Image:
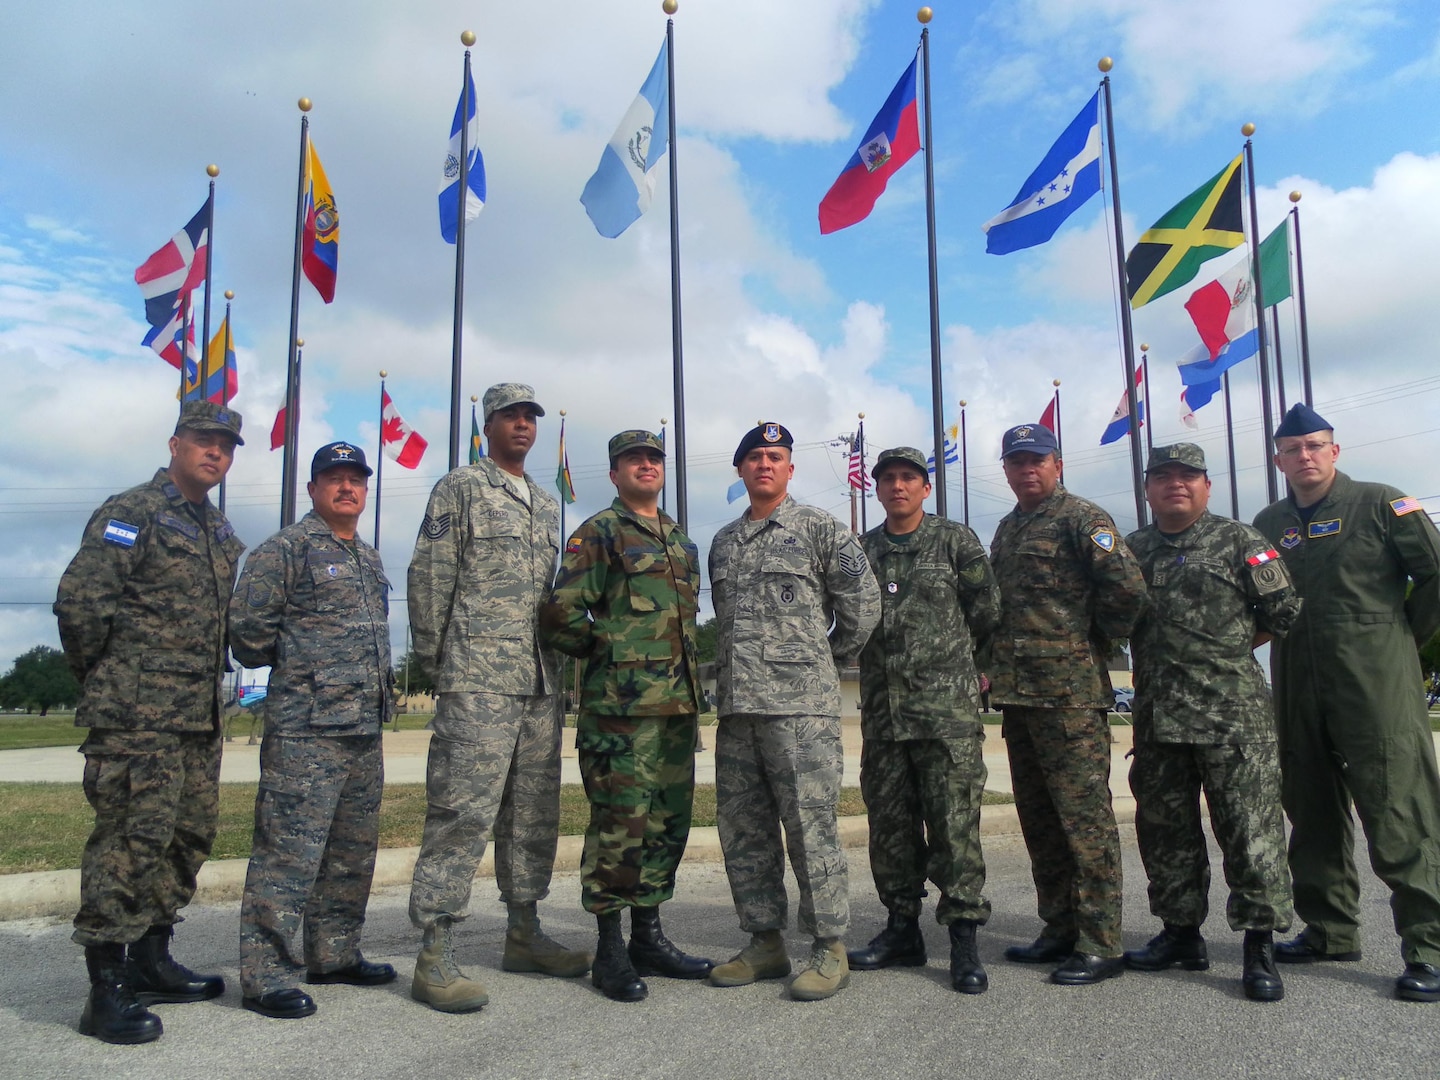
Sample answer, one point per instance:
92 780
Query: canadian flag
401 442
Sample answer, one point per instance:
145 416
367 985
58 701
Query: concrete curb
56 893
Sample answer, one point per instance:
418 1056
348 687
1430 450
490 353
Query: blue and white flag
450 174
621 189
1060 184
735 491
951 447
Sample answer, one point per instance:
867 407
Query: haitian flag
174 270
892 139
320 240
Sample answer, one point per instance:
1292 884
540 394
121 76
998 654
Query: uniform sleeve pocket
790 652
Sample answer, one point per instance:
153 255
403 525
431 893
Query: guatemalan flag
450 173
892 139
623 185
1120 418
175 270
1060 185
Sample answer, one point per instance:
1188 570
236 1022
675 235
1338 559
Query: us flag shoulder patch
1262 557
1407 505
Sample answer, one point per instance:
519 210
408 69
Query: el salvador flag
1059 186
450 174
621 189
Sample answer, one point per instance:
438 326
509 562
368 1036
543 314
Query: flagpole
1145 397
664 446
380 458
1300 289
682 515
1279 362
965 465
467 38
1230 450
292 438
563 535
471 457
184 343
1059 442
212 171
860 440
1127 331
1272 490
224 374
849 481
292 363
937 397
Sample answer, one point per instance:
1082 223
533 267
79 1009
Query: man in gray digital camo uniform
142 620
1069 586
781 577
313 605
1203 721
483 565
922 771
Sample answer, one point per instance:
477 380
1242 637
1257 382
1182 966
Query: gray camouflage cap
634 439
907 454
208 416
1180 453
503 395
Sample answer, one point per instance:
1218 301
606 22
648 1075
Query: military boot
653 953
613 972
763 958
156 978
967 974
1261 978
528 948
438 981
111 1012
900 943
1174 946
827 973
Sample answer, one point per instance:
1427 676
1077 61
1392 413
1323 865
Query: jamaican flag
1205 223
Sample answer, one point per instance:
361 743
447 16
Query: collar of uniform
1191 533
1045 507
1339 488
172 492
927 522
783 513
666 521
314 525
497 475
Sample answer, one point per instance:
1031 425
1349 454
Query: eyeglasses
1311 448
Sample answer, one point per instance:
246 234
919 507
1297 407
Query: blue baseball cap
1029 438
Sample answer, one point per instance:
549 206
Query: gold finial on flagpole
467 38
229 294
924 15
1295 196
305 104
299 342
562 412
1105 65
473 399
670 7
1247 130
212 171
383 373
1055 383
962 403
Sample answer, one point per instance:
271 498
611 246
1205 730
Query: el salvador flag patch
1105 541
118 532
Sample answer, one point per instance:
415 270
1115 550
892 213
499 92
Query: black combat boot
900 943
1175 945
967 974
653 953
1261 979
612 971
111 1012
156 978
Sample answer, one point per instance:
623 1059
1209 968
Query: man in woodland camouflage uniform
142 620
625 602
1068 587
1203 721
922 771
794 599
483 565
313 605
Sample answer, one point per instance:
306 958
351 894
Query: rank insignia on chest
1290 538
331 570
1324 528
1104 540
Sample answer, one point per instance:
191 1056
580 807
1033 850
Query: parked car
1124 699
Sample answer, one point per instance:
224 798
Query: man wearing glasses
1350 708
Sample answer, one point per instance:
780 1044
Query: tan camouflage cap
1180 453
208 416
503 395
634 439
907 454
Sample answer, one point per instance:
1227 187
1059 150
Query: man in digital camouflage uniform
624 602
795 601
483 564
313 605
922 770
1069 586
142 609
1350 706
1203 721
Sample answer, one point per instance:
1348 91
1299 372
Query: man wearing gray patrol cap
1349 705
482 567
1203 722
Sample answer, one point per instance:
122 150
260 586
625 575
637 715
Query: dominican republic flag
1060 185
1120 418
166 340
892 139
623 185
174 270
401 442
450 172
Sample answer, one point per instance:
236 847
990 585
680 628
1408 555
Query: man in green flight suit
625 602
1350 705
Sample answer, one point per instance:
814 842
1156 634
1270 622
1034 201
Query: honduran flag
174 270
892 139
1120 418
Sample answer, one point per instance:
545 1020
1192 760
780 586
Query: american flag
858 480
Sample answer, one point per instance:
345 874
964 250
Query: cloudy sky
116 110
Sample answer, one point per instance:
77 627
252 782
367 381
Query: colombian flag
222 381
321 237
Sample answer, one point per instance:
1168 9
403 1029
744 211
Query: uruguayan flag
1058 187
952 449
450 175
622 186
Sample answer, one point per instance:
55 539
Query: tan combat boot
763 958
528 948
827 973
439 982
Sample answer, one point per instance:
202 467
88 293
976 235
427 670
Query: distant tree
40 679
705 635
419 682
